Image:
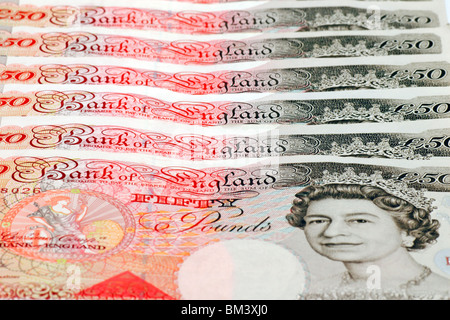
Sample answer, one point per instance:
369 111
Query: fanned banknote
195 146
87 229
263 79
87 44
213 113
299 16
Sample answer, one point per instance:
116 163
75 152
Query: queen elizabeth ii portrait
366 222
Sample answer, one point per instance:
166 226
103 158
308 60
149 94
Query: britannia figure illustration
69 224
60 221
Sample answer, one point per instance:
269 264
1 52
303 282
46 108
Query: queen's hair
416 222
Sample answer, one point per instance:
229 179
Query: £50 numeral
406 44
419 74
433 143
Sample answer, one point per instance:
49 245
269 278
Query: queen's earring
408 241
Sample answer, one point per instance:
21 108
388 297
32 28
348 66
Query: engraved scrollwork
50 101
59 43
58 74
337 49
190 19
158 141
114 102
302 145
35 291
292 79
89 15
55 101
32 169
341 18
121 75
237 147
278 48
346 79
179 110
52 136
293 175
383 149
64 15
182 176
115 132
183 81
140 172
351 114
196 143
187 49
7 292
295 111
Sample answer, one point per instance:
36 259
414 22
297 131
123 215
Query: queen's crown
394 187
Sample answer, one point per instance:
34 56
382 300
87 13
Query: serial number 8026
20 190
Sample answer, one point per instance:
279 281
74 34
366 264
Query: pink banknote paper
87 44
318 79
257 19
190 146
308 111
95 228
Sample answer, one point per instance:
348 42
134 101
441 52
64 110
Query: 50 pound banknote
297 17
214 113
87 44
263 79
93 228
191 146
